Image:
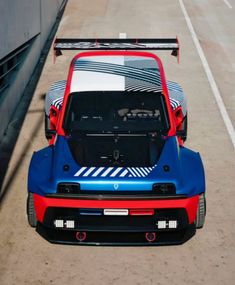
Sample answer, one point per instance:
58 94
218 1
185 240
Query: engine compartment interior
116 150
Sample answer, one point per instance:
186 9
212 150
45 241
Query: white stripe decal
124 173
141 173
88 171
56 100
146 169
97 171
116 171
132 172
80 171
107 172
145 172
136 172
174 103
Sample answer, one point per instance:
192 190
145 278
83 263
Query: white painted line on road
210 77
122 35
228 4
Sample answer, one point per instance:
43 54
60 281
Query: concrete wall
48 15
20 21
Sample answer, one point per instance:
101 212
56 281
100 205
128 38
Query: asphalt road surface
206 30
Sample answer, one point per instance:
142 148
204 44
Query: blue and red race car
116 170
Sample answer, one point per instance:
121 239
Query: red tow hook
80 236
150 237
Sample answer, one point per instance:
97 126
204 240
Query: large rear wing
116 44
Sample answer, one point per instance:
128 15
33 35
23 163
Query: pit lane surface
209 257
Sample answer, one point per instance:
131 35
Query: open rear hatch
116 150
116 128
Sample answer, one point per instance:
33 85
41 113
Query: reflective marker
161 224
172 224
69 224
59 223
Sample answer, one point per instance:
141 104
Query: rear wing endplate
116 44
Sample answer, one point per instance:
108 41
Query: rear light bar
142 212
116 212
126 212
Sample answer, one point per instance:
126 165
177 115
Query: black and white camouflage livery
54 96
117 74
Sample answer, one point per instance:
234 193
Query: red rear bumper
189 204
